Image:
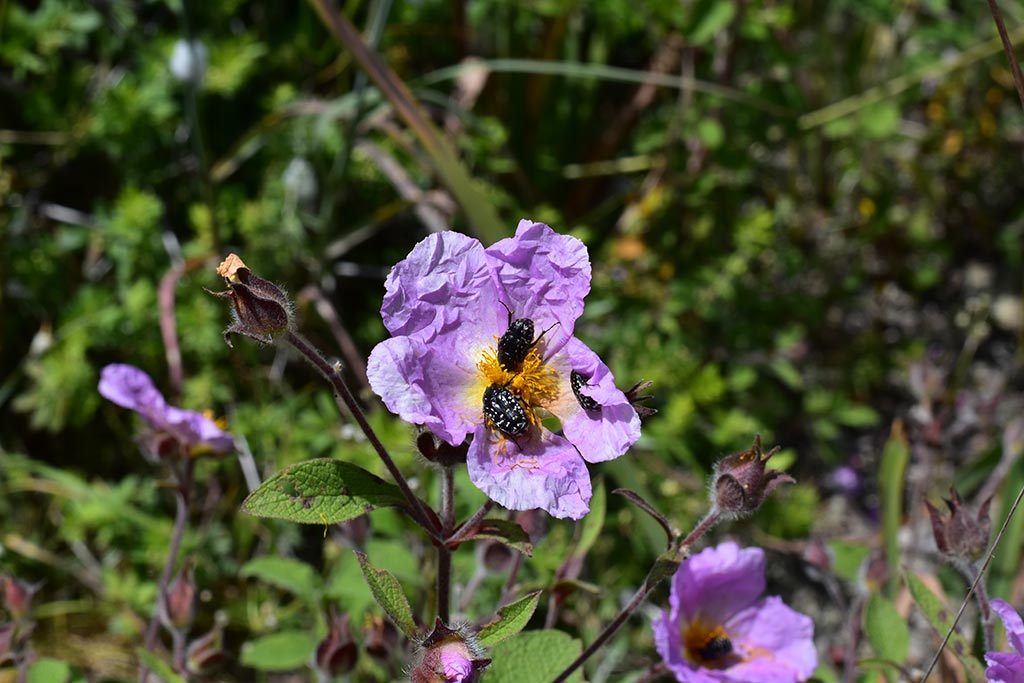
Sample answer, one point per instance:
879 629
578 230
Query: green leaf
283 572
507 532
857 416
48 670
512 619
886 630
710 18
941 620
895 456
158 666
280 651
710 133
533 657
322 491
389 595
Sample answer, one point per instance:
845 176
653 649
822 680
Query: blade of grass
891 473
895 86
482 217
604 72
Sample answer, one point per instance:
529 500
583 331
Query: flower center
535 385
708 646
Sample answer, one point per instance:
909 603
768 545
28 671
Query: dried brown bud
338 652
633 395
741 481
180 598
963 534
448 656
260 309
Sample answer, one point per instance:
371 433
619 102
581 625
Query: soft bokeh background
804 220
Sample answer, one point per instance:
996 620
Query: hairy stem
444 553
333 377
638 598
183 497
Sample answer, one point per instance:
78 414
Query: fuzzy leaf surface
321 491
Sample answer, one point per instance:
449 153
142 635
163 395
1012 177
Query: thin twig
182 499
1018 79
444 553
330 373
613 626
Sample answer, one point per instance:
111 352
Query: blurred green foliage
812 202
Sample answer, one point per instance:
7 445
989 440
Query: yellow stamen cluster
536 384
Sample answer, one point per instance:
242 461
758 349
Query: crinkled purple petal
444 282
197 430
543 276
426 387
457 667
543 472
669 644
598 435
1004 667
130 387
716 583
1012 622
776 643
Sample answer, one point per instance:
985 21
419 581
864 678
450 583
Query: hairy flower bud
449 656
741 481
18 596
260 309
962 535
338 652
180 598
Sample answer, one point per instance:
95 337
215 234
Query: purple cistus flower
1007 667
483 345
130 387
718 628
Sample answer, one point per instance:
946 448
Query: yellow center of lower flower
536 384
708 645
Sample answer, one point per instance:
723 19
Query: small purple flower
1007 667
130 387
718 628
446 304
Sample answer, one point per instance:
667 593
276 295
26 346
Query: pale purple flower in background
718 628
1007 667
130 387
445 305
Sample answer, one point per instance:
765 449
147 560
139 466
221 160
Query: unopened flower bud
261 310
379 637
440 451
338 652
180 598
449 656
207 652
741 481
18 596
962 535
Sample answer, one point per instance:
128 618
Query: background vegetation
804 219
